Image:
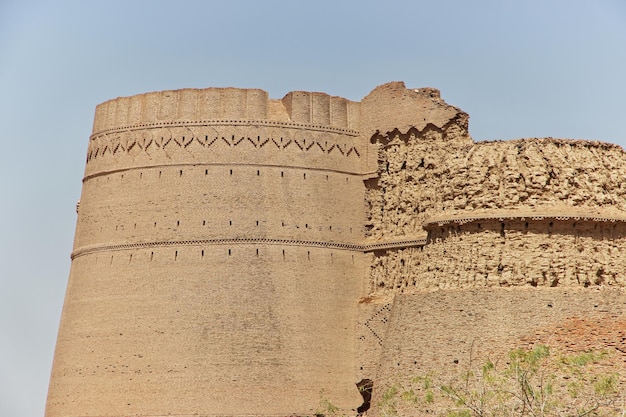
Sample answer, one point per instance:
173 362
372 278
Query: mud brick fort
236 254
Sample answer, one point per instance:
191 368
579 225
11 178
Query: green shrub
532 382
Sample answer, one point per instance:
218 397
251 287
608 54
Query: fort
236 255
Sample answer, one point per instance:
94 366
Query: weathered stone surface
444 333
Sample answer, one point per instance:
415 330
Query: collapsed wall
527 212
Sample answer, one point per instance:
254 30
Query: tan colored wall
512 252
438 173
215 258
527 212
184 330
439 332
508 228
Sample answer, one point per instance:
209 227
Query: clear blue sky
528 68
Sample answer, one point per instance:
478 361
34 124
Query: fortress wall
440 332
219 251
243 260
498 187
220 202
222 143
299 107
371 329
185 329
512 252
537 172
423 180
186 104
413 169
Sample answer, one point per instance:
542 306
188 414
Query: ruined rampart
526 212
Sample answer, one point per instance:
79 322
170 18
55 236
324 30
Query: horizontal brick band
224 122
283 242
522 216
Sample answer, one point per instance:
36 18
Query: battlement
226 104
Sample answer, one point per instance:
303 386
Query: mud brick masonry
235 254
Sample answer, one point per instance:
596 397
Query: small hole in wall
258 172
282 174
130 258
365 387
177 223
229 252
304 175
154 224
257 222
175 255
231 172
330 228
140 175
151 256
180 173
308 255
283 254
203 222
206 172
230 222
159 174
202 253
257 253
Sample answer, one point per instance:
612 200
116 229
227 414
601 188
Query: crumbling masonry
235 255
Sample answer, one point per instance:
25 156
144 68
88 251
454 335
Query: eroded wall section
530 212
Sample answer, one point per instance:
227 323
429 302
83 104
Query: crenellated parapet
235 104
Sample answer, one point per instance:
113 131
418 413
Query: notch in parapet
186 104
316 109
